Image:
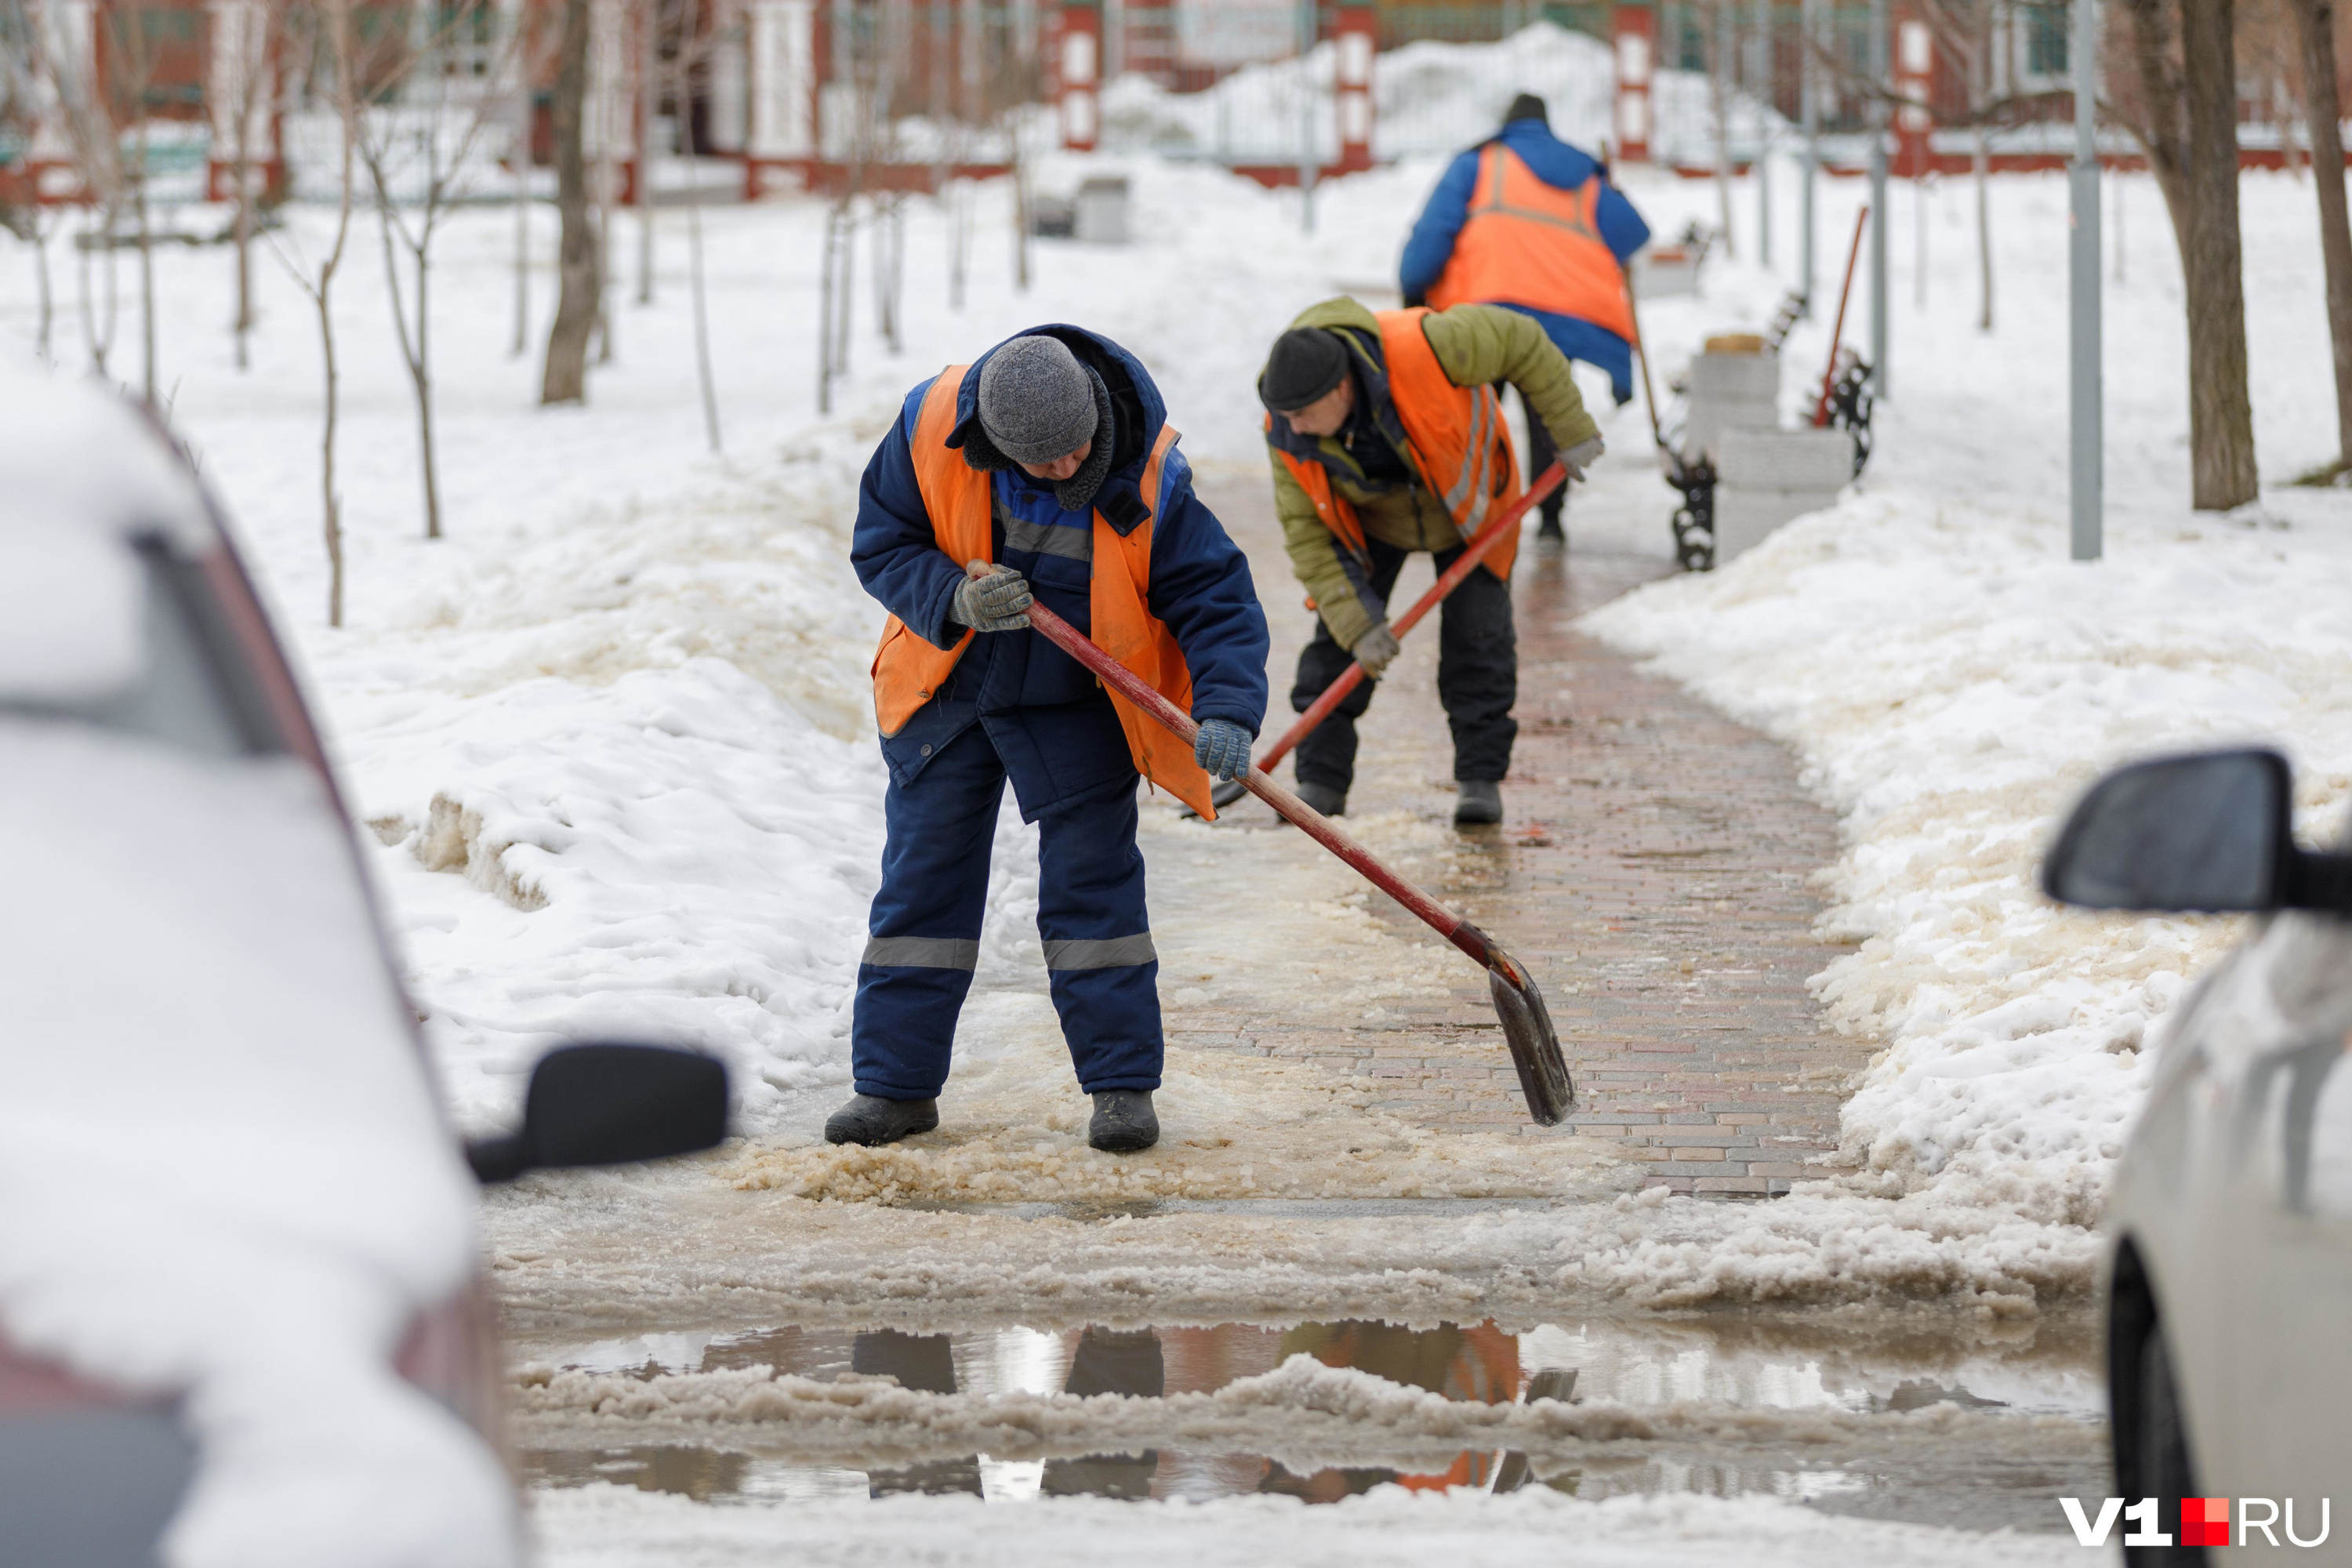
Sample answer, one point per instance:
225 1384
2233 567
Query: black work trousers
1540 453
1478 677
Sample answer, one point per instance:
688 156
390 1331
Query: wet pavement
2039 1388
1653 871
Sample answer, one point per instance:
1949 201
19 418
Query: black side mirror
2211 832
610 1105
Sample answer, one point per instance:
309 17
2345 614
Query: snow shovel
1526 1024
1481 545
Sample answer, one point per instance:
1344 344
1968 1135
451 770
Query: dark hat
1035 402
1527 106
1306 363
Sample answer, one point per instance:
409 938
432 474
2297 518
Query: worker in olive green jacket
1387 437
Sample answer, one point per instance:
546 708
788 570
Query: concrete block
1101 216
1665 273
1763 459
1744 518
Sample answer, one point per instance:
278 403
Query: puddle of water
1639 1363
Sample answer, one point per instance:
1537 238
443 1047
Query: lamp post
2086 414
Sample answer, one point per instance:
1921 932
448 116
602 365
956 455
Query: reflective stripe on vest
1459 444
1525 243
960 501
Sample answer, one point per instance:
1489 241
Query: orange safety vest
1459 442
1527 242
956 497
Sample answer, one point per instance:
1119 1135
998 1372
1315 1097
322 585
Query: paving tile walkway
1653 870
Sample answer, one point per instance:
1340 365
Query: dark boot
870 1119
1550 530
1124 1121
1324 798
1479 804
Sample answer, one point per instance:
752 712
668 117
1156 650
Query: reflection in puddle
1640 1363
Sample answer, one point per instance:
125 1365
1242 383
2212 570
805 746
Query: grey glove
993 603
1223 747
1581 457
1375 648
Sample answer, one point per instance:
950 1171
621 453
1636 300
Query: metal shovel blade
1534 1048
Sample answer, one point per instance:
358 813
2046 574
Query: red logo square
2204 1521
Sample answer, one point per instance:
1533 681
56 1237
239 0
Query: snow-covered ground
609 736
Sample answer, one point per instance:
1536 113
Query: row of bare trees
413 108
2176 73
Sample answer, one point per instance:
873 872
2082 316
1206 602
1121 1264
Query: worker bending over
1050 462
1387 438
1524 220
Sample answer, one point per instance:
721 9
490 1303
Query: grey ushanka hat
1036 400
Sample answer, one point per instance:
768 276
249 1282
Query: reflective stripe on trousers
1102 970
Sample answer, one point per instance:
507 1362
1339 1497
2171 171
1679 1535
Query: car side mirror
2211 833
609 1105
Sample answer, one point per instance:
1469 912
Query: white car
2229 1290
242 1315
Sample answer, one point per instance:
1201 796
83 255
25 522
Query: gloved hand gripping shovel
1482 544
1527 1024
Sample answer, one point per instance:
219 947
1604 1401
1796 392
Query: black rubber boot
870 1119
1324 798
1479 804
1550 530
1124 1121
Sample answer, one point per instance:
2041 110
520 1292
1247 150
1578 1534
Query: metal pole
1809 107
1878 381
1307 161
1759 84
2085 394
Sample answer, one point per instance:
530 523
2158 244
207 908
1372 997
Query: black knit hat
1306 363
1527 106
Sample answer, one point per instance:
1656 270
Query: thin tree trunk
1718 62
683 84
2323 113
347 96
146 272
648 105
41 272
423 374
243 166
2220 411
565 379
1984 230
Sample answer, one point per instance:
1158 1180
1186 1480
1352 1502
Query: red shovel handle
1128 684
1482 544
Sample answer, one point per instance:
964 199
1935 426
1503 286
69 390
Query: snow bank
1432 98
605 1526
1951 682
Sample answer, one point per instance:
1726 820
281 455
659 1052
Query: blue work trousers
925 927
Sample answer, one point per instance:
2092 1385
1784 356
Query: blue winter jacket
1562 167
1043 710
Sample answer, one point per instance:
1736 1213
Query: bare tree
1718 20
67 71
688 52
2323 112
332 19
578 262
24 108
460 104
2181 105
252 95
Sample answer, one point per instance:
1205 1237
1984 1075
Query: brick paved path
1652 869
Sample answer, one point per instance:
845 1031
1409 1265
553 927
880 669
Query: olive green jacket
1476 345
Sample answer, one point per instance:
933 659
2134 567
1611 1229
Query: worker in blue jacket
1524 220
1045 472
